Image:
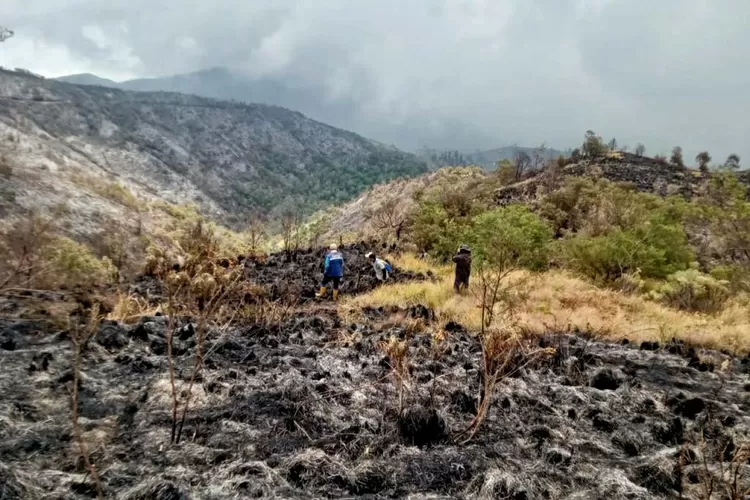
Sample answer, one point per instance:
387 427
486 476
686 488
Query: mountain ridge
234 160
222 83
314 100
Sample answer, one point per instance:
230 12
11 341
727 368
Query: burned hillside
643 173
311 402
296 276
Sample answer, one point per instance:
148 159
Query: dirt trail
308 409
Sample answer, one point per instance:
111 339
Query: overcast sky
661 72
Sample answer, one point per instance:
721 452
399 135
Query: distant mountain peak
88 79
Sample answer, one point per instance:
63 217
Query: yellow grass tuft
412 263
129 308
559 301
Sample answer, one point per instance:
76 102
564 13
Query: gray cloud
453 73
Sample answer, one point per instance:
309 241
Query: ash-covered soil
298 275
308 409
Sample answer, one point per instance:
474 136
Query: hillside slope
358 218
314 99
233 160
378 211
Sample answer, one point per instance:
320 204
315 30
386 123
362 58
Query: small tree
539 156
255 235
523 162
290 233
22 251
725 211
80 338
703 159
504 240
388 218
640 149
553 174
733 162
612 144
506 172
205 291
593 145
676 158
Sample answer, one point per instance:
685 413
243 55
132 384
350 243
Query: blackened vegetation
297 275
306 407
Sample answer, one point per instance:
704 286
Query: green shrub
692 290
435 232
510 237
725 213
737 275
595 207
72 264
653 251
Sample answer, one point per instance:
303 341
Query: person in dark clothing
463 268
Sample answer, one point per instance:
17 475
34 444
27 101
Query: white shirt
380 272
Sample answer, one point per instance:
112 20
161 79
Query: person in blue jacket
333 272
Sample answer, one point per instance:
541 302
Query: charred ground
306 406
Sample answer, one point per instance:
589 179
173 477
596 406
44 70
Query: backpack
388 267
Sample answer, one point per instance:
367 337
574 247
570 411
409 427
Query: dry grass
129 308
113 191
560 301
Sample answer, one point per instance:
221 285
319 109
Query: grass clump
563 301
113 191
693 290
122 195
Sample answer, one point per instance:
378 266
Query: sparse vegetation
676 158
692 290
566 302
113 191
6 171
733 162
80 337
202 289
703 159
34 256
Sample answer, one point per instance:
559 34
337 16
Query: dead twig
80 338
